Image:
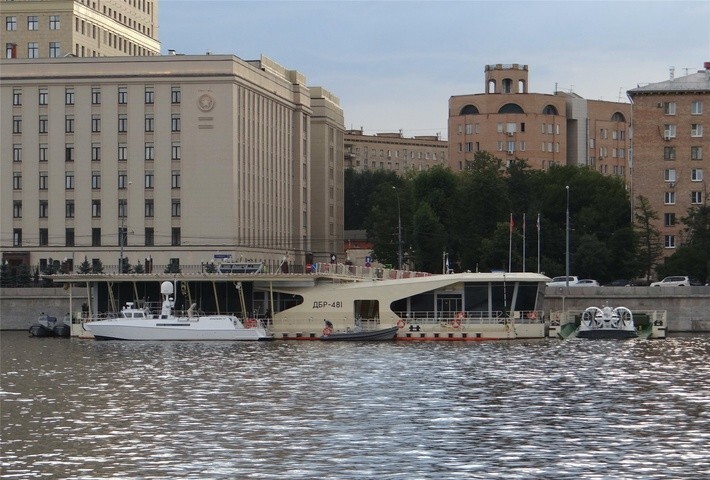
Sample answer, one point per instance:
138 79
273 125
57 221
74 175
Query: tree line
467 217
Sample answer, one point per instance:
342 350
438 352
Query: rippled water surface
307 410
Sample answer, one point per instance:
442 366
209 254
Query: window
43 96
69 96
669 175
122 95
149 178
669 241
69 237
696 130
95 123
16 124
96 208
69 180
17 209
149 237
54 22
176 153
696 198
696 175
69 152
149 151
95 180
43 180
11 23
55 50
696 108
696 153
175 95
32 22
17 97
122 180
175 236
669 108
17 153
43 208
95 237
122 152
175 123
69 124
149 95
175 208
149 124
668 131
669 198
95 152
95 95
69 209
32 50
175 182
43 237
43 150
122 124
149 208
669 219
16 181
16 237
43 124
669 153
122 208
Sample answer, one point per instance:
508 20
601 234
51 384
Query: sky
395 64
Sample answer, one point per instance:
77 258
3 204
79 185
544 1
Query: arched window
618 117
469 110
549 110
511 108
507 85
491 86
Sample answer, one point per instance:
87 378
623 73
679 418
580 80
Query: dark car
621 282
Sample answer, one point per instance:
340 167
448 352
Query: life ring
532 315
400 324
327 331
250 323
460 316
456 322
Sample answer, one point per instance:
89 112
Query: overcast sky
394 64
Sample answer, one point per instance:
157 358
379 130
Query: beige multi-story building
545 129
668 149
179 159
83 28
393 151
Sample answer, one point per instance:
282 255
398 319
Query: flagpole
510 244
538 242
523 242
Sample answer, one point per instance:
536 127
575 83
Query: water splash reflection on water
285 410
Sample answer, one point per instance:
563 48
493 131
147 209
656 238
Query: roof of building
694 82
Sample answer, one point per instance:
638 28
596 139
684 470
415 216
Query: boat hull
202 329
603 334
370 335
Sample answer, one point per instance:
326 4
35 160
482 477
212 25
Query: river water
548 409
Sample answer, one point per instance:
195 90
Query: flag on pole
512 223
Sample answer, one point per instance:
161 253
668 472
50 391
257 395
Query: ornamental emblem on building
205 102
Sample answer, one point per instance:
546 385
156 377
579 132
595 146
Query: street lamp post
399 230
567 241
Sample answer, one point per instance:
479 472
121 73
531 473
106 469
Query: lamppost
567 241
399 230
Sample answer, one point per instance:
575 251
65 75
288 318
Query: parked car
620 282
562 281
586 282
673 281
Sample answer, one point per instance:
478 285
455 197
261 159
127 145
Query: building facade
82 28
545 129
183 158
393 151
669 149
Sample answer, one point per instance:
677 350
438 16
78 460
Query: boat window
527 294
476 297
448 304
138 315
502 296
367 309
422 304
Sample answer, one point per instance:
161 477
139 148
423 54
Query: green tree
650 248
693 257
85 266
428 239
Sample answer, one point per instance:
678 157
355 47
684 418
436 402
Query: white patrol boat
607 322
134 323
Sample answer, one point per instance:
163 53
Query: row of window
696 198
54 50
696 153
32 22
696 175
669 130
149 180
69 209
669 108
69 124
69 237
396 153
122 98
149 152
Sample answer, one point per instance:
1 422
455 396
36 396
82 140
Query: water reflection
291 410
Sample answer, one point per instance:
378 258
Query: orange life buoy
456 322
327 331
250 323
460 316
400 324
533 315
